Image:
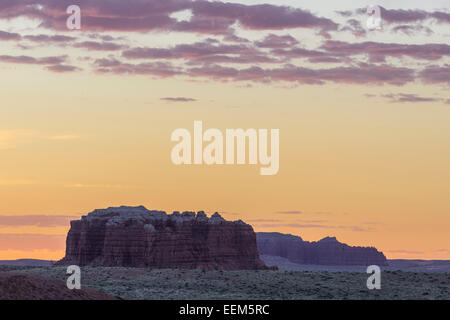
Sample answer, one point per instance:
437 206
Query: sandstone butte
137 237
328 251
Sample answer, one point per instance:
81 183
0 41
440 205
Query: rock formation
327 251
137 237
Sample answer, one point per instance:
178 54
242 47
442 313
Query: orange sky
370 172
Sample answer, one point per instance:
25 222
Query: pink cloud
263 16
31 60
405 97
35 220
9 36
48 39
60 68
436 74
145 15
178 99
381 50
273 41
100 46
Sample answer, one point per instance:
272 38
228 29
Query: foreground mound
137 237
17 286
328 251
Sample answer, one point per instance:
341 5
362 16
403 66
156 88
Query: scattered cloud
412 30
289 212
407 98
274 58
313 226
402 16
261 220
61 68
35 220
54 60
354 26
230 213
178 99
379 51
147 15
46 39
99 46
273 41
5 36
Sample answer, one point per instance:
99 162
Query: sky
86 117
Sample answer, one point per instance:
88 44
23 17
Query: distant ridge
27 262
327 251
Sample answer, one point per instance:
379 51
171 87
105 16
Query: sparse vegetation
138 283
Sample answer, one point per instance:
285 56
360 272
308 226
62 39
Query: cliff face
327 251
137 237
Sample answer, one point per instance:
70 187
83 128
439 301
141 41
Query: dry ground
136 283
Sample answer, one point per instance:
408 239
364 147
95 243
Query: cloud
6 36
146 15
263 16
436 74
402 16
395 16
52 60
289 212
43 38
230 213
61 68
356 74
441 17
99 46
158 69
354 26
178 99
313 226
273 41
442 251
268 60
35 220
299 53
378 50
405 251
202 52
408 97
411 30
262 220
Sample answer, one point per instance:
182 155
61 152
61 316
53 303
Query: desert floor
138 283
